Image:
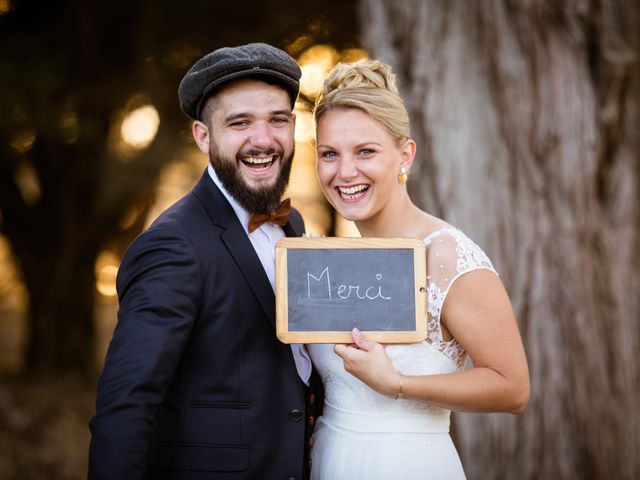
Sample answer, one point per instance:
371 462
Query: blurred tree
526 115
68 187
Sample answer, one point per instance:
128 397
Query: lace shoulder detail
450 254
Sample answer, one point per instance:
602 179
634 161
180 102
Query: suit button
311 420
295 415
312 399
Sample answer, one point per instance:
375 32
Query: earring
403 175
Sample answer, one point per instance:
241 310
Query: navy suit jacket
195 383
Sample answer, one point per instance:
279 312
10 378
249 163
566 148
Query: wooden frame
285 245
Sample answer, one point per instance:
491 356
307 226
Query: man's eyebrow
235 116
286 113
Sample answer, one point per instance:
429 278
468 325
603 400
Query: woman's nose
347 168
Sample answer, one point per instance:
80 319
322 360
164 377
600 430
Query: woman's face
358 163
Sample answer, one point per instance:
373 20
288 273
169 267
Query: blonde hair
367 85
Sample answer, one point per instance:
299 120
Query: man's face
251 142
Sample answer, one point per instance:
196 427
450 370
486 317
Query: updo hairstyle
369 86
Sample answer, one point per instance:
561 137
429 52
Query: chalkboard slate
327 286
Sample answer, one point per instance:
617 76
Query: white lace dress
365 435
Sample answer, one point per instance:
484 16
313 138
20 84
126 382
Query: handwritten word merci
343 291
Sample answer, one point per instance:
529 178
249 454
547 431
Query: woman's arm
478 313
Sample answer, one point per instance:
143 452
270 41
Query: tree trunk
57 240
61 300
525 115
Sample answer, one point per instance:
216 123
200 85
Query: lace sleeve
450 254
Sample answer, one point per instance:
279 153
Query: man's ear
201 135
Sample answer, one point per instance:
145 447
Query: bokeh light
5 6
176 179
315 63
23 140
13 307
28 183
69 126
140 126
305 128
106 269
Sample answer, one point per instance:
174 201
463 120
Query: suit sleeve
159 288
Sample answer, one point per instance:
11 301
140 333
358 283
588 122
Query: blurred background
526 118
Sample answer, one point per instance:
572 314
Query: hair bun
370 86
361 74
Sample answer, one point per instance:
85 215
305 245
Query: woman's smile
352 193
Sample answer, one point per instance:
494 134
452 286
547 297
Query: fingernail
355 330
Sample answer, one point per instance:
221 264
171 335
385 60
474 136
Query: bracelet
399 396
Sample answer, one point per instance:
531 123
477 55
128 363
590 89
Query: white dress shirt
264 241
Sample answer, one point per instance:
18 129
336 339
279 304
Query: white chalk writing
343 291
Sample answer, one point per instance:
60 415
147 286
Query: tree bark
525 115
61 307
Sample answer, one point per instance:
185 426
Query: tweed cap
229 63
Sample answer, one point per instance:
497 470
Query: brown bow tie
279 216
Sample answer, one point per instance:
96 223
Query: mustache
252 152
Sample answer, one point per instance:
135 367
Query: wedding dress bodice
450 254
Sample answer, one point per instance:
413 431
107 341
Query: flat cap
229 63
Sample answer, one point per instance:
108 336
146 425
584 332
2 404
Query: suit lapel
247 259
289 231
238 244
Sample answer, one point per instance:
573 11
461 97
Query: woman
386 412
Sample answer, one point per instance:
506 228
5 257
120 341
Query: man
195 384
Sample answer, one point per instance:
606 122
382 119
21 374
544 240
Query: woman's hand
369 362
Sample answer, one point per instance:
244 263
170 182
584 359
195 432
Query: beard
262 199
